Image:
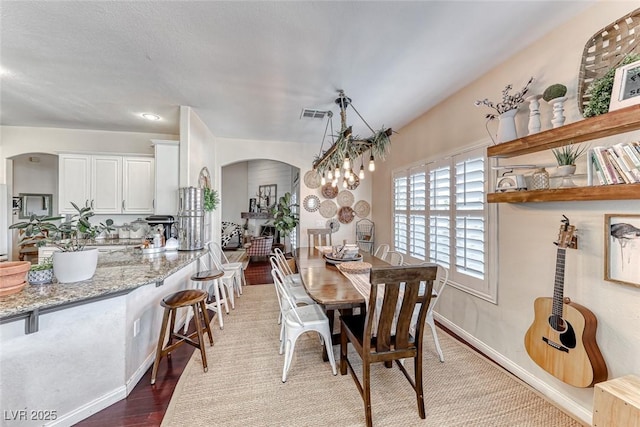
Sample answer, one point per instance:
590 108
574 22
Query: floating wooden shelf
613 123
574 194
256 215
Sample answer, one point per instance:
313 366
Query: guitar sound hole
557 323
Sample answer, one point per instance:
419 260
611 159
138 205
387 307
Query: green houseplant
600 89
42 273
285 216
71 263
568 154
211 199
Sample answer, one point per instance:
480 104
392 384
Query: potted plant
72 263
566 157
285 217
40 274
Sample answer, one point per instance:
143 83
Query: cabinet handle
123 205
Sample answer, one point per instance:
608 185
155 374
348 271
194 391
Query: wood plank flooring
146 404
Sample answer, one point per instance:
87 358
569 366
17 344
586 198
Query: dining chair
391 338
440 283
394 258
298 320
298 292
236 267
290 276
228 279
381 251
319 237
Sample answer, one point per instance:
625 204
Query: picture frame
626 87
622 249
267 196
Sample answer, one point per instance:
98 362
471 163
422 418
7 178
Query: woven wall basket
605 50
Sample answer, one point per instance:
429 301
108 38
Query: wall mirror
35 204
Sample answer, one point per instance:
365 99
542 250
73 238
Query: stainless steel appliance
190 219
167 221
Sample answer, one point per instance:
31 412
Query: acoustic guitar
562 337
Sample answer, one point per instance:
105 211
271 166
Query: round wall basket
328 209
311 203
355 184
362 208
345 198
346 214
329 191
333 224
312 179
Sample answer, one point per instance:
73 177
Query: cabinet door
106 185
167 179
138 185
74 181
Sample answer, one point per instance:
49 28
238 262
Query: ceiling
249 68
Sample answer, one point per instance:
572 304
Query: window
440 215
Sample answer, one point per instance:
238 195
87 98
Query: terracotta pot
13 276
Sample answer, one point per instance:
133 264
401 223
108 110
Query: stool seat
194 298
203 276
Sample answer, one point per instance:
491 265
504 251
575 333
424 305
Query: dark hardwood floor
146 404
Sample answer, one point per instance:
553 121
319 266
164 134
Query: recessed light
150 116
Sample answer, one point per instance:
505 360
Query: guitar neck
558 288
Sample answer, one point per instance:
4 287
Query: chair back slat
393 323
319 237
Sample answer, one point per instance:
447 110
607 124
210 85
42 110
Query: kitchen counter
118 272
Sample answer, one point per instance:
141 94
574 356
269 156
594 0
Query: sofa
231 235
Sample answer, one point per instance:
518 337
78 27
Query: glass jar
540 179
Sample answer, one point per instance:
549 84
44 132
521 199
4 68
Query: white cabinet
167 157
138 185
109 184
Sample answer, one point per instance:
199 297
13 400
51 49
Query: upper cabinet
609 124
108 184
167 156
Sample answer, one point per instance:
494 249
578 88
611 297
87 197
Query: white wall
234 196
526 254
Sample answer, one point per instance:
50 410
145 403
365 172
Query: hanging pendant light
372 164
361 174
323 180
336 173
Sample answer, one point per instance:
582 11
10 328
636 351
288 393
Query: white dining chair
285 269
229 279
381 251
442 279
236 267
298 320
394 258
298 293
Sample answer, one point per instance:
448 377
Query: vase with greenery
285 216
566 157
211 199
42 273
71 263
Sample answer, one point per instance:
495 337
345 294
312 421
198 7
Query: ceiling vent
313 114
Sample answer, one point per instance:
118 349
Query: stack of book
618 164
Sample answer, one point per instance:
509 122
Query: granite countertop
118 272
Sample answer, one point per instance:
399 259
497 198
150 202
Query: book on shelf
613 165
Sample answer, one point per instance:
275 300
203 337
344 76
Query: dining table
328 286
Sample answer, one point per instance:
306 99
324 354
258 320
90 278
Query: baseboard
85 411
556 396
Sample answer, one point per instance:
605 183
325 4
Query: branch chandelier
344 151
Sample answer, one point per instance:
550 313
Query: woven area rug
243 386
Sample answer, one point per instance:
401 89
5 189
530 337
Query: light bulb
337 173
330 175
334 183
347 173
372 164
323 181
352 178
344 183
361 174
346 164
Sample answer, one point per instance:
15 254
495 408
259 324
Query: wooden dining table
327 285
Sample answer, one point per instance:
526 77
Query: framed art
626 86
622 248
267 196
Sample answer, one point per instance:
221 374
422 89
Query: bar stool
213 276
194 298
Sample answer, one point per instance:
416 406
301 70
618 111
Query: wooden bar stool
218 291
194 298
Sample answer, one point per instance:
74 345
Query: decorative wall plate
345 198
346 214
312 179
355 184
311 203
333 224
328 191
328 209
362 208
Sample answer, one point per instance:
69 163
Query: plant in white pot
566 157
72 263
285 216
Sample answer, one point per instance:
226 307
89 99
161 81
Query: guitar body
566 347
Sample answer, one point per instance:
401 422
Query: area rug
239 255
243 386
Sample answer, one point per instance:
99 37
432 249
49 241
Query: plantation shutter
418 212
440 214
400 204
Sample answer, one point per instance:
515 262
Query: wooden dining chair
319 237
390 339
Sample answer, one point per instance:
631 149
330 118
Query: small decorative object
252 205
622 248
329 191
566 157
510 103
311 203
554 91
362 208
534 113
312 179
13 276
346 214
41 274
355 267
328 209
626 86
345 198
600 89
333 224
540 179
558 111
72 263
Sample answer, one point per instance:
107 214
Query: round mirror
311 203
